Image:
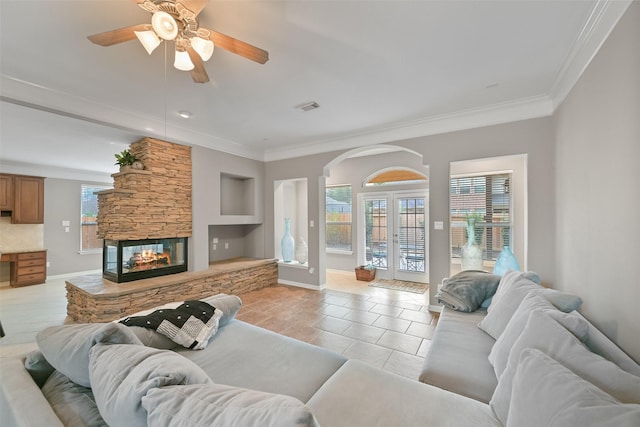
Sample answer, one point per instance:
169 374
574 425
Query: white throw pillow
513 287
121 375
499 354
511 291
544 333
223 405
545 393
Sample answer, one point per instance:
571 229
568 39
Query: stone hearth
92 299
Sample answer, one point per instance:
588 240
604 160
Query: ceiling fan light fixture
182 61
164 25
148 39
203 47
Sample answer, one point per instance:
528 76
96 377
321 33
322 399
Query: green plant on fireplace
125 158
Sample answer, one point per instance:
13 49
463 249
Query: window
338 217
485 201
89 241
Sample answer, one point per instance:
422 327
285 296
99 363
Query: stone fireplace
145 220
127 260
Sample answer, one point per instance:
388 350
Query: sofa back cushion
122 375
544 333
223 405
546 393
499 354
67 347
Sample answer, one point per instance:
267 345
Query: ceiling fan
177 20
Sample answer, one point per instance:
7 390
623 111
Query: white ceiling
380 70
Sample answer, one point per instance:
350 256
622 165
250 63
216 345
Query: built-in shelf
237 195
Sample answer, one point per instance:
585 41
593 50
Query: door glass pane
376 232
410 235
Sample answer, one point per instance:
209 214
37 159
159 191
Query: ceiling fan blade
194 6
120 35
238 47
198 74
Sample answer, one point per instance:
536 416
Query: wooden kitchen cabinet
27 268
24 197
6 192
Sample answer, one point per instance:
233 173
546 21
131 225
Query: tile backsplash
20 237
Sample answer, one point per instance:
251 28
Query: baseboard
301 285
435 308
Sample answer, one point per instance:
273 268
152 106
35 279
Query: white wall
598 191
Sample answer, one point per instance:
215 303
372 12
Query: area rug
400 285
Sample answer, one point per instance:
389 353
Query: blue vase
506 261
288 244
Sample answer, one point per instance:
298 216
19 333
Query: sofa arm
22 404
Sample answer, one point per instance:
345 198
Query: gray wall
207 168
533 137
62 203
598 193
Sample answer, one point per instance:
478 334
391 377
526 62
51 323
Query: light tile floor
388 329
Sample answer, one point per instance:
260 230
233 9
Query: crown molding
512 111
20 168
603 18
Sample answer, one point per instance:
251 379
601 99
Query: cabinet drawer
32 255
30 262
30 279
23 271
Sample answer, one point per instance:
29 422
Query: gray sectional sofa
256 377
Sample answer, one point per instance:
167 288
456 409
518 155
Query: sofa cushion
457 359
122 374
499 354
545 393
544 333
244 355
513 287
223 405
67 347
72 403
386 399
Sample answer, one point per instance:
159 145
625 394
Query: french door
395 235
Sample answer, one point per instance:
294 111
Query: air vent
308 106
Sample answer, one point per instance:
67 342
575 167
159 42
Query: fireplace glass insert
127 260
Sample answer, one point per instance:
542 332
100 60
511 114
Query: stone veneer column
152 203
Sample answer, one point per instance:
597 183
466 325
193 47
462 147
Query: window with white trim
338 217
483 202
89 241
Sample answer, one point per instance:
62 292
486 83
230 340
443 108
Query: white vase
302 252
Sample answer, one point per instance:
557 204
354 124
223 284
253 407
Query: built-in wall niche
290 201
237 194
233 241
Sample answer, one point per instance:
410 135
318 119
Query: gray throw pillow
72 403
223 405
228 304
67 347
123 374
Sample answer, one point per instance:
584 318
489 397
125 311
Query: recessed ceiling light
184 114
